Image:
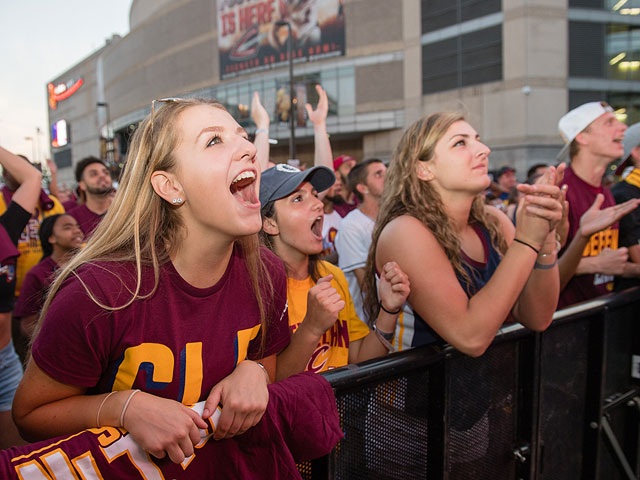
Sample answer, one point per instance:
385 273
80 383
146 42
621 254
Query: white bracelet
104 400
261 130
126 405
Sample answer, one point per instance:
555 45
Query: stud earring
176 201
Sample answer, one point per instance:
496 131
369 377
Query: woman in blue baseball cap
327 331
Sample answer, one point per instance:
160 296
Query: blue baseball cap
282 180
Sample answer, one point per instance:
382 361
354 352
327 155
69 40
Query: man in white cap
591 258
627 189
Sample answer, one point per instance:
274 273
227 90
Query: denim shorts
10 376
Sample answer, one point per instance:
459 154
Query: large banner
250 41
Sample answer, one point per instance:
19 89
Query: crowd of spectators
213 275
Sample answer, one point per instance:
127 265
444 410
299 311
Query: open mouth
316 227
243 187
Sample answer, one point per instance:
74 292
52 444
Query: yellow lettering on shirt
599 241
243 338
159 356
193 373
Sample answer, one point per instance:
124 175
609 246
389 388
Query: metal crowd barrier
562 404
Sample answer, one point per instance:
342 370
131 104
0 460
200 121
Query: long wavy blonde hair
406 194
142 228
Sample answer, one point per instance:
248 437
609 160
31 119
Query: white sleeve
352 244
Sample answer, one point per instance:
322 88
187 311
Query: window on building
621 7
599 50
438 14
462 61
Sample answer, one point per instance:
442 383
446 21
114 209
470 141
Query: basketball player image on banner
249 39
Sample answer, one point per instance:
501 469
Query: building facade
515 67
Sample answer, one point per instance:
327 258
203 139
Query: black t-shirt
624 190
12 221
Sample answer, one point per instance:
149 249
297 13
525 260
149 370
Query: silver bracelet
261 130
385 338
542 266
265 371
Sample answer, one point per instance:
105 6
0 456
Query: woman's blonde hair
406 194
142 228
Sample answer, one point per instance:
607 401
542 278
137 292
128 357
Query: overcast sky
40 39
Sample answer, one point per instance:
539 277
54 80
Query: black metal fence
563 404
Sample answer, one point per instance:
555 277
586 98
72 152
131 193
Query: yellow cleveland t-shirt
333 349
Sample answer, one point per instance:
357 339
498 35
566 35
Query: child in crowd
60 237
327 331
171 302
470 269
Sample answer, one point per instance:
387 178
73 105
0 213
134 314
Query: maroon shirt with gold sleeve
178 343
581 196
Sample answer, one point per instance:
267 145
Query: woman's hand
243 396
319 115
324 303
162 426
259 114
394 286
594 219
540 209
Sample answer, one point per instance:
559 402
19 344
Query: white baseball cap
574 122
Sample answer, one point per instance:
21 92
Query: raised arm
260 117
539 298
322 152
469 324
53 183
26 175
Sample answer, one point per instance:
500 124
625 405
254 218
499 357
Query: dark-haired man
366 181
95 188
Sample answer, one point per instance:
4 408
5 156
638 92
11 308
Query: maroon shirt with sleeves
581 196
178 343
87 219
34 288
300 423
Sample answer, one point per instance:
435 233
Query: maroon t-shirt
178 343
34 288
581 196
300 423
87 219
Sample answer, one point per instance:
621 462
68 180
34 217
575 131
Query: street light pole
292 143
109 140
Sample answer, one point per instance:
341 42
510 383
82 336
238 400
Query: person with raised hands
13 220
327 332
171 302
470 269
317 116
